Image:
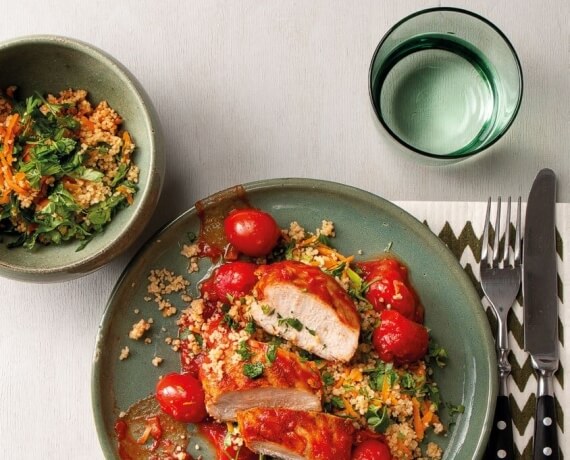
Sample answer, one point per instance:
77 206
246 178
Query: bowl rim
147 197
424 153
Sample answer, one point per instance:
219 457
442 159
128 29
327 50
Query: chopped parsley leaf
328 378
378 418
337 402
243 350
311 331
437 354
292 322
198 338
271 353
336 270
253 370
250 327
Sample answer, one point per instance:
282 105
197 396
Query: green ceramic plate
363 222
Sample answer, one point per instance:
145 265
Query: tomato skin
389 288
182 397
383 265
371 449
399 339
251 231
233 279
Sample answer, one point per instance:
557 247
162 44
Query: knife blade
540 294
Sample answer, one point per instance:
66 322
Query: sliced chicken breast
296 435
270 377
306 306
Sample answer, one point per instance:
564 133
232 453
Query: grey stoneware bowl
49 64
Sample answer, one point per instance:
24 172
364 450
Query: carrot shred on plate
419 427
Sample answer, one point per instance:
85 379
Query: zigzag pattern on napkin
466 246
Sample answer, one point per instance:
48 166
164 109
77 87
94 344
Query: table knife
540 294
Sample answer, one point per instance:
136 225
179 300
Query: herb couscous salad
66 167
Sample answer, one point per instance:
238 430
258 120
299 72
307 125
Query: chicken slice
303 304
284 381
296 435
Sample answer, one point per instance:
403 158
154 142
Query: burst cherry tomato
399 339
251 231
233 279
389 288
371 449
182 397
382 265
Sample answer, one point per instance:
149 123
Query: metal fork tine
497 234
518 235
500 282
485 241
507 234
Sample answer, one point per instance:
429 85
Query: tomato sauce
216 434
212 241
145 432
314 435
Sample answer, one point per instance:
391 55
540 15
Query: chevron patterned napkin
460 227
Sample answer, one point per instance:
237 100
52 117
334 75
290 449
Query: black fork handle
501 441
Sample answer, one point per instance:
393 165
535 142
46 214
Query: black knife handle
545 430
501 441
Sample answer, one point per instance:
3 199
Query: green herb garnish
328 379
253 370
337 402
243 350
250 327
378 418
292 322
437 354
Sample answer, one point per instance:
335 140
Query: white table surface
248 90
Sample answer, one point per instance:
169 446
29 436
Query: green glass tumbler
445 83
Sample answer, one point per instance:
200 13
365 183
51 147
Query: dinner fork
501 282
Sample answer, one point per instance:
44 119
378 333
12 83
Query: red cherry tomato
399 339
389 288
182 397
251 231
371 449
391 291
420 314
233 279
381 265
